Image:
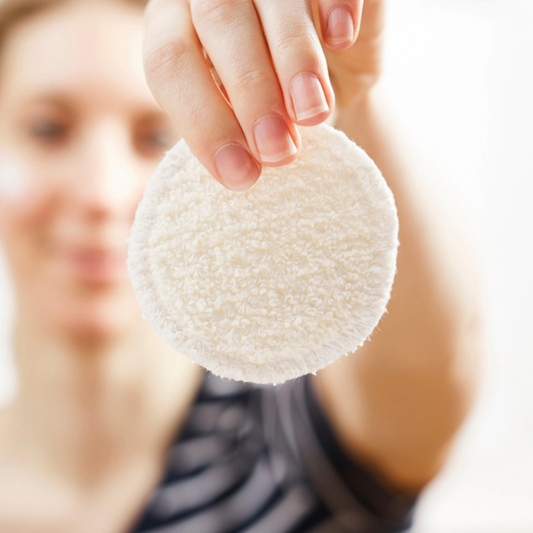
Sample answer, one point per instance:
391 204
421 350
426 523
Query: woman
111 431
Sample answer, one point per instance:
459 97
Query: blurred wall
460 75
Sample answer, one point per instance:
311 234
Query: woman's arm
399 400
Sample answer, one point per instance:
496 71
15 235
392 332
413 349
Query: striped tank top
264 459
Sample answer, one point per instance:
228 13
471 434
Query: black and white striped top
264 459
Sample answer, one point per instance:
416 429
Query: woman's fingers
181 82
298 59
232 35
269 59
339 22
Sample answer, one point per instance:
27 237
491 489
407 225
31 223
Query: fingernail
273 139
236 167
340 26
308 97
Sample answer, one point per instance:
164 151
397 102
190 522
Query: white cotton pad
274 282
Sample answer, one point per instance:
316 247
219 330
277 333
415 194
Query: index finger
181 81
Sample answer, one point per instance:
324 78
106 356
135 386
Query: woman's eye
155 142
48 131
160 140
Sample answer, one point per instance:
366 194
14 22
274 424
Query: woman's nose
112 180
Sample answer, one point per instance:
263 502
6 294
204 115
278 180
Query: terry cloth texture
274 282
263 459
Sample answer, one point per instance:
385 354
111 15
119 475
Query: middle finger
232 35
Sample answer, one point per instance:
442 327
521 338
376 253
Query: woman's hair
14 11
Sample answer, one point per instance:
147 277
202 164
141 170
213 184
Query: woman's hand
236 76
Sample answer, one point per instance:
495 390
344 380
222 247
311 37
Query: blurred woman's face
80 134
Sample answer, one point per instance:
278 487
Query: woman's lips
95 265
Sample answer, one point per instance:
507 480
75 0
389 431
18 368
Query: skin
92 373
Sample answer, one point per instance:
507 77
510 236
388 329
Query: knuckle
215 9
165 59
251 79
199 113
303 48
295 42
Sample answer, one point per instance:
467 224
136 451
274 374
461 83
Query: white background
460 76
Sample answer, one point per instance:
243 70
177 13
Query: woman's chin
104 318
84 311
93 328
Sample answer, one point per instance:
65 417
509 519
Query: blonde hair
14 11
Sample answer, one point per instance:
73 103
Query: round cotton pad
274 282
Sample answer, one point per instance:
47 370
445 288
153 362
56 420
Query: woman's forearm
415 378
434 293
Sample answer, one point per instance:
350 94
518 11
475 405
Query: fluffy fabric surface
274 282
